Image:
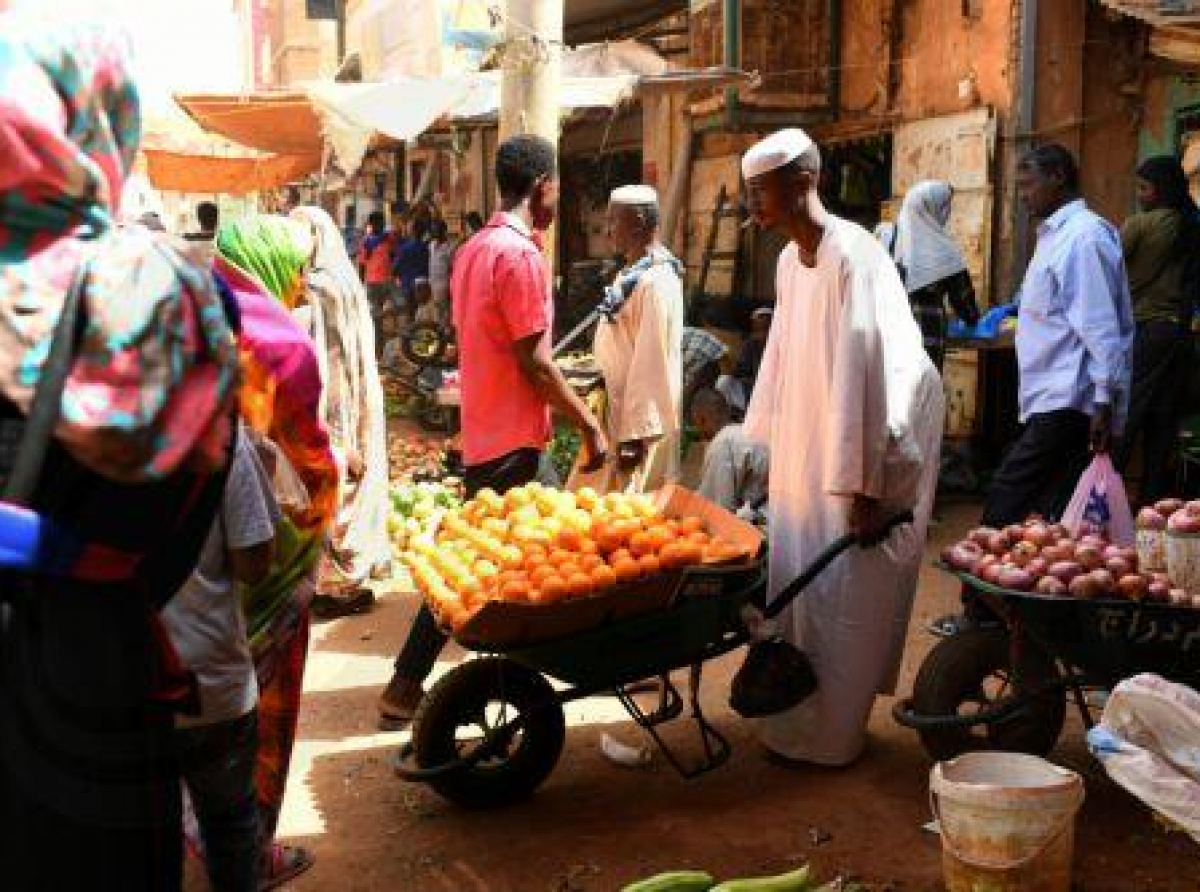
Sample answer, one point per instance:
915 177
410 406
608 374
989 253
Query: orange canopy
181 172
279 123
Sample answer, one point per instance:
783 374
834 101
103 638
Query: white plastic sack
1148 741
1100 504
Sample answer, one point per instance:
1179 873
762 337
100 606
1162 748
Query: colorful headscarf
281 390
275 250
155 371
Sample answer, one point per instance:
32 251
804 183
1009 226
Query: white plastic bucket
1007 822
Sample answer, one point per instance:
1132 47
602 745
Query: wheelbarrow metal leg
716 747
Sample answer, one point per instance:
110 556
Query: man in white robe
638 348
852 410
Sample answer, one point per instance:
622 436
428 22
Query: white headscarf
924 250
352 395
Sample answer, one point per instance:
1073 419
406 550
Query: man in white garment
639 350
852 410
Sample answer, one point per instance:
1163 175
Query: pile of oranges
537 545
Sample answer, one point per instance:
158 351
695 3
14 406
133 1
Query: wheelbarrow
492 729
1006 686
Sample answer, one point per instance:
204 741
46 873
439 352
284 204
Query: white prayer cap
775 151
634 195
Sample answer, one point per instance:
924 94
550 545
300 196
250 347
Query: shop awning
171 171
282 123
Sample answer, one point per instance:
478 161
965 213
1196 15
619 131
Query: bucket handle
1017 863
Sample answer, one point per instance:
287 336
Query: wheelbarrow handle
824 559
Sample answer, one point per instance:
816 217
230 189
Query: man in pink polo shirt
503 314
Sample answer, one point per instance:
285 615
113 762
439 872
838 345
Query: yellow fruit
485 569
517 498
526 515
577 519
643 505
512 557
494 526
587 498
624 511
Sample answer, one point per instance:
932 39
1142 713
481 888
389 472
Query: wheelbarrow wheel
469 704
970 672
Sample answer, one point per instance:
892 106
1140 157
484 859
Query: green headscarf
275 250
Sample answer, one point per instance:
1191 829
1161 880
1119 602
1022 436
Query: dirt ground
594 826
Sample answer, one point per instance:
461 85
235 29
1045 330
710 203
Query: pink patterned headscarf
155 371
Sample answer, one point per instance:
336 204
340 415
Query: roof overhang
585 21
1174 24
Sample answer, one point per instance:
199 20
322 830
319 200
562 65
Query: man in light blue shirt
1074 341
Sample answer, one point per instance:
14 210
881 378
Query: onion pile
1046 559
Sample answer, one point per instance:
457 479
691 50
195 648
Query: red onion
981 536
1083 587
997 543
1158 592
1149 519
1038 534
1015 578
1089 556
1065 571
1184 522
964 556
1167 507
1118 567
1023 553
1104 580
1048 585
1132 587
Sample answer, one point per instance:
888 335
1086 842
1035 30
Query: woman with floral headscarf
262 260
352 408
128 486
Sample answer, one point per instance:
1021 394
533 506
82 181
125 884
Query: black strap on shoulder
47 398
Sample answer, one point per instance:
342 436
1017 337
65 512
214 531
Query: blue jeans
217 762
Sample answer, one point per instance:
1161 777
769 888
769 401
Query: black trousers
425 640
1160 371
1041 469
1038 476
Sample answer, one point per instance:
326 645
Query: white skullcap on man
778 149
633 195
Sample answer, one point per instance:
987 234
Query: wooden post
531 79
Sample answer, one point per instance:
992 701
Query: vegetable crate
1005 686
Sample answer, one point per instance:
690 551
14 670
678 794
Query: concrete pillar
531 83
531 75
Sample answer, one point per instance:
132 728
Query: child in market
217 745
